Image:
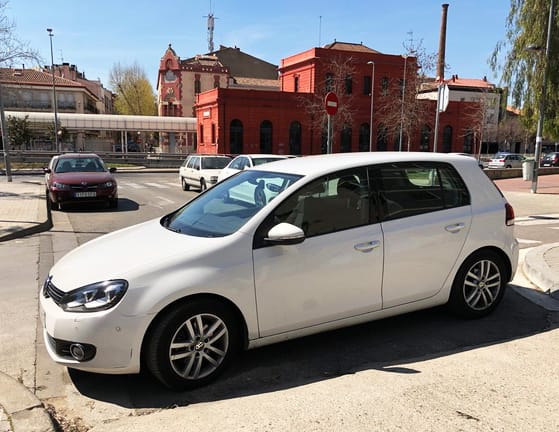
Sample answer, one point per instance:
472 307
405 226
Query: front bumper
117 339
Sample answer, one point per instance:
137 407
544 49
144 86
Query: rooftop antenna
211 19
61 57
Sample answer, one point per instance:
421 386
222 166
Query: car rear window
411 189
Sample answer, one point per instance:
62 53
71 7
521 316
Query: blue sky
94 35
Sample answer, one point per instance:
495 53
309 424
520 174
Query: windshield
92 164
228 205
215 162
260 161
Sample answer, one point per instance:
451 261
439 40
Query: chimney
442 44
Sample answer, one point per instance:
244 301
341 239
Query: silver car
506 160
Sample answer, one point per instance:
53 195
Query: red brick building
290 118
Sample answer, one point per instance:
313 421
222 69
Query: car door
335 273
193 169
427 217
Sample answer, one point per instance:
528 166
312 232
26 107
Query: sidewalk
23 211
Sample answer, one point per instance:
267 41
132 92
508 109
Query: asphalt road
313 375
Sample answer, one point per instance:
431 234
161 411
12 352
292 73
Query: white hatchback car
201 171
506 160
243 162
341 239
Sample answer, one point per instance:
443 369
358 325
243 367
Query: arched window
345 146
266 136
447 139
295 138
468 141
364 137
382 138
236 136
425 138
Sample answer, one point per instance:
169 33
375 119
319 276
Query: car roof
262 155
76 155
319 164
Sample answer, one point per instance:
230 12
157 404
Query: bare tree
338 80
405 114
11 49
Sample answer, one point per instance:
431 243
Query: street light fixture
402 107
539 131
372 99
57 145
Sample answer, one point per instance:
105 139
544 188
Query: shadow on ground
382 345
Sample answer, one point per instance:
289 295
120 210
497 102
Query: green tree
134 93
19 132
522 69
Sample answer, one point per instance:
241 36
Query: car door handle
367 246
454 228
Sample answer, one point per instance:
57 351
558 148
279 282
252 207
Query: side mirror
47 170
285 234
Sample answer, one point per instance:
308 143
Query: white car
506 160
346 238
201 170
243 162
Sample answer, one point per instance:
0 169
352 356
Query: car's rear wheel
192 344
185 185
479 285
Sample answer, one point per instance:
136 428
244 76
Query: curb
538 269
44 215
24 410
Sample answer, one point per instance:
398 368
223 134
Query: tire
199 358
185 186
53 205
203 185
479 285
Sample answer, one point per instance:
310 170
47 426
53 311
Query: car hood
130 253
79 177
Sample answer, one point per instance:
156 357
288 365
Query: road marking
158 185
133 185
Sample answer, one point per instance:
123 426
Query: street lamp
402 107
372 99
49 31
539 131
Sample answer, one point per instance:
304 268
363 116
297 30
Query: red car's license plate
85 194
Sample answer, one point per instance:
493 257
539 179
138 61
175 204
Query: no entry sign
331 103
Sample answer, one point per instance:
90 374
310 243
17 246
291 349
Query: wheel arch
504 257
201 296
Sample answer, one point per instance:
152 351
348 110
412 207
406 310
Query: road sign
331 103
444 97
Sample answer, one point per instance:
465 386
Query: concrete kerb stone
24 411
542 268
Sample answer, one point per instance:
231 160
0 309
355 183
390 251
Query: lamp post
372 99
49 31
402 107
539 132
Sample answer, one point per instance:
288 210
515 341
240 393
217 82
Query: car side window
332 203
412 189
237 164
195 163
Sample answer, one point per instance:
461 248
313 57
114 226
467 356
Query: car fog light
77 351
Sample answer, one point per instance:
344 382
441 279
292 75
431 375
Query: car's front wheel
192 344
479 285
185 186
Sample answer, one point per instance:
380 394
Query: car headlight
61 186
108 184
94 297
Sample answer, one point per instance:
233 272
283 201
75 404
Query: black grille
86 187
50 291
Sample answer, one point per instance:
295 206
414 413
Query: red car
79 177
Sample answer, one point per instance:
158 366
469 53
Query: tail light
509 215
